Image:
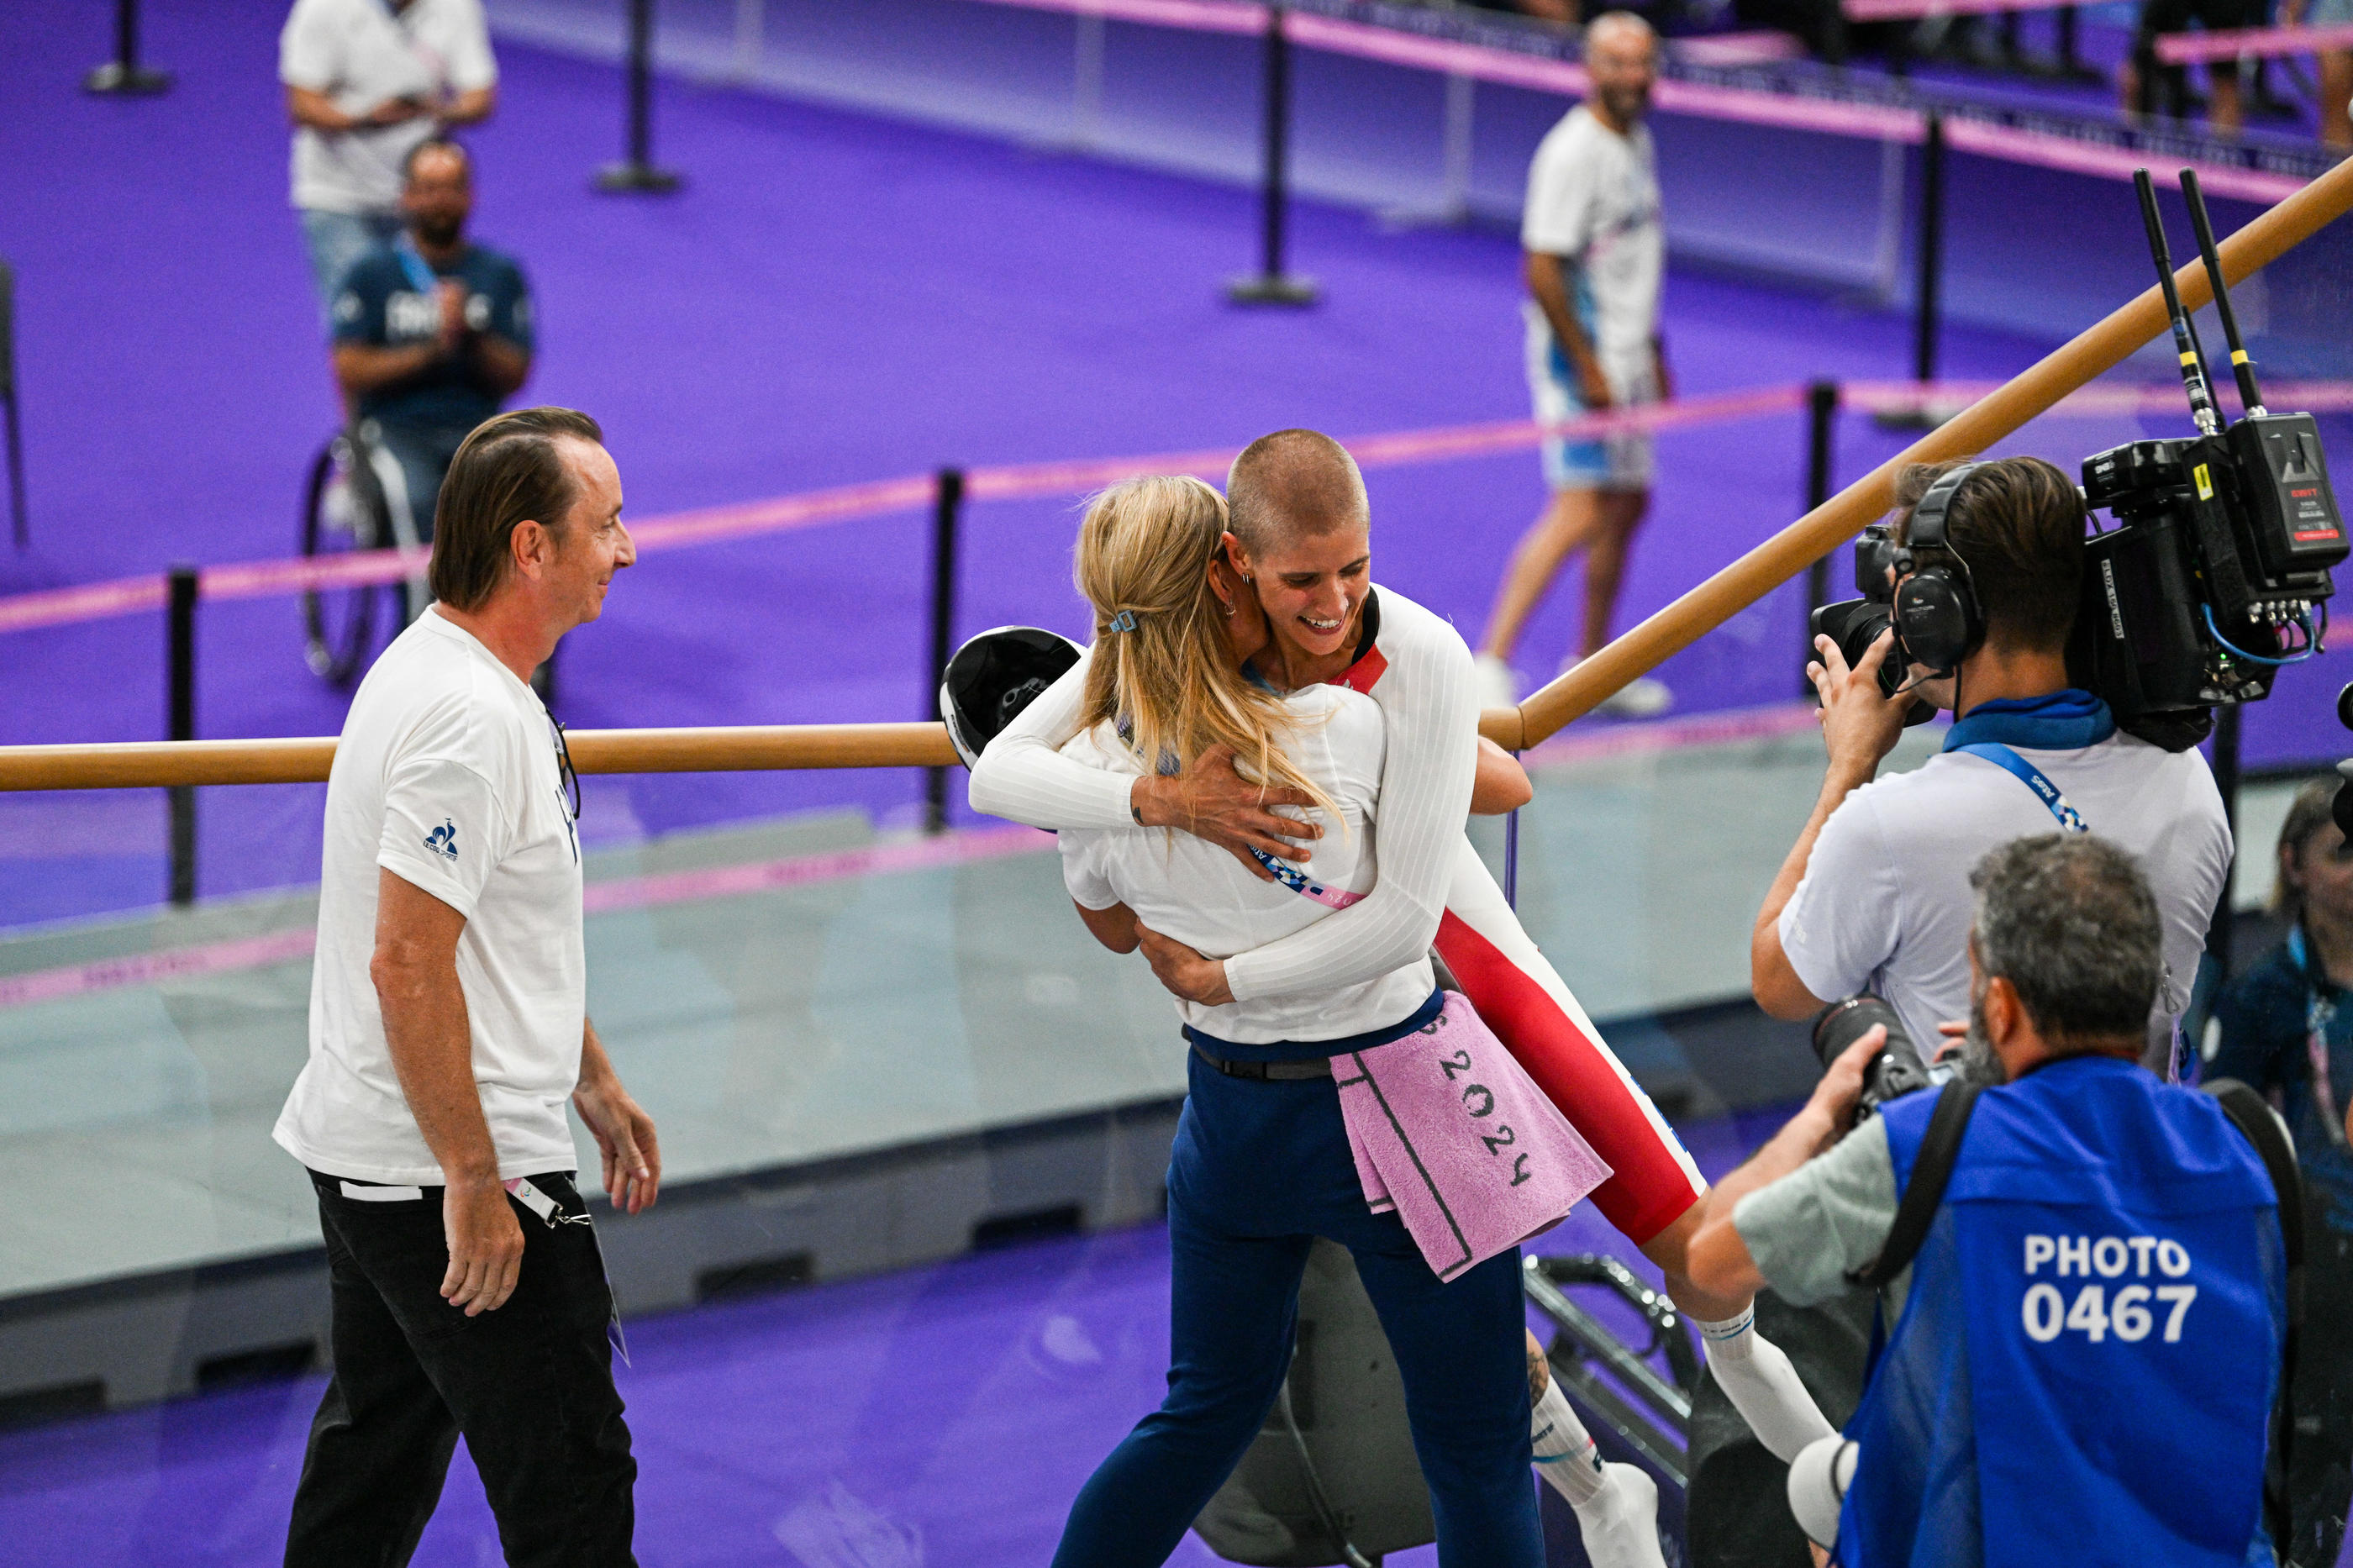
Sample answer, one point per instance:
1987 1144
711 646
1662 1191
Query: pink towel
1450 1132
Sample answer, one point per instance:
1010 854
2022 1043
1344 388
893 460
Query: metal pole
180 700
1931 256
1087 79
638 173
1821 425
1272 287
946 513
123 76
2226 780
19 523
1512 857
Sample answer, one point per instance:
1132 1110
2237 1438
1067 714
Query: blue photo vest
2086 1363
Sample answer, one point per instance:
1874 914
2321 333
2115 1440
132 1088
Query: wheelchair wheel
342 512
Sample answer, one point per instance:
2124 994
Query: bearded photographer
1989 569
2083 1264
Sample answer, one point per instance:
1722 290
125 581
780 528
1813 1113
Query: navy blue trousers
1261 1169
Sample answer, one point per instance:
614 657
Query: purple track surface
944 1415
832 299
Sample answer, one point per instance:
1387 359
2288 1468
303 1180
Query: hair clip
1122 622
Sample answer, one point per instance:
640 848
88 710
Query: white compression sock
1762 1385
1566 1457
1617 1506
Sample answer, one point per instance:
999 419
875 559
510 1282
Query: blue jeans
334 241
1260 1169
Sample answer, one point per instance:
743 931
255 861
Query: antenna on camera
2185 335
2242 363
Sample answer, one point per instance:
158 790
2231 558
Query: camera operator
2083 1264
1874 894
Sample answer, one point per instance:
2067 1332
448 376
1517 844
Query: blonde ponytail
1162 671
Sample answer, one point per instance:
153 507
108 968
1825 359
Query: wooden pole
1976 428
146 764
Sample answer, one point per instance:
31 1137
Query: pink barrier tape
2014 145
2230 43
1898 10
1391 450
647 892
1738 48
809 509
84 602
1200 16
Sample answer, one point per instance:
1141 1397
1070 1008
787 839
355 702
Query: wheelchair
357 499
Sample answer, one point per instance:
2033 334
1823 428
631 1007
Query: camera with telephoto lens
2216 573
1855 624
1897 1070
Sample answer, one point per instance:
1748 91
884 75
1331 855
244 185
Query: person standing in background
1596 255
2284 1026
2335 67
366 80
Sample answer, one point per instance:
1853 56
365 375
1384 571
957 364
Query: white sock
1566 1457
1617 1506
1762 1385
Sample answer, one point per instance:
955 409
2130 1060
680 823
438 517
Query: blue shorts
1607 463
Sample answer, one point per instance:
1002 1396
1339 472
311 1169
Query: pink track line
2156 397
1675 734
2229 43
647 892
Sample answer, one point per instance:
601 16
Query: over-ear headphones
1938 620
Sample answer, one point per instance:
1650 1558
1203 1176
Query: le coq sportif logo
443 840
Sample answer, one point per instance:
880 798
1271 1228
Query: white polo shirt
447 777
1187 888
1886 904
361 54
1593 197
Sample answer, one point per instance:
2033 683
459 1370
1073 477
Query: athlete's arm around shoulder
1023 777
1429 700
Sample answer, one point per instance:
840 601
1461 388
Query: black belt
1269 1072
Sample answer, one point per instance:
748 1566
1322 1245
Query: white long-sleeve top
1419 671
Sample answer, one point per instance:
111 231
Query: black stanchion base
116 80
1270 289
621 179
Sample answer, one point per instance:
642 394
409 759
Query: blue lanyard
2033 778
412 263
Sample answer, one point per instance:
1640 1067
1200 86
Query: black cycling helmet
995 676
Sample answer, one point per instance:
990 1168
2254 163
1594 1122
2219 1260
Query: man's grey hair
2069 921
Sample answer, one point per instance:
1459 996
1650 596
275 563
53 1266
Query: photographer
1874 894
2089 1320
2284 1028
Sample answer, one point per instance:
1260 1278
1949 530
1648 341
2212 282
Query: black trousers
529 1385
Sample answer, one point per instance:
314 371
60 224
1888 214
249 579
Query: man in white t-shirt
1596 252
366 80
449 1031
1876 893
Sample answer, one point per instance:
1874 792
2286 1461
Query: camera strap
2033 778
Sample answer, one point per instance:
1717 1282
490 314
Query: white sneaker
1640 698
1499 684
1620 1526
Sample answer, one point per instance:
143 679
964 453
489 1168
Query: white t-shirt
360 54
1886 904
447 777
1593 198
1185 888
1420 673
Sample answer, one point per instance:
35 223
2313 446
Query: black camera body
2223 546
2217 571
